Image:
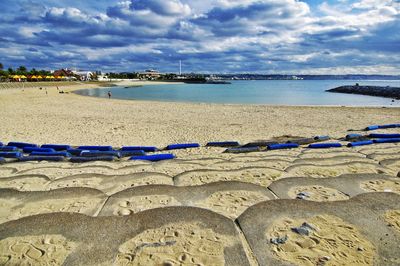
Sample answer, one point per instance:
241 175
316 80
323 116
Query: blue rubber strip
389 126
8 148
153 158
322 138
11 154
57 147
353 136
75 152
33 149
42 158
360 143
384 136
140 148
132 153
96 148
243 150
282 146
223 144
56 153
80 159
182 146
394 140
100 153
374 127
324 145
22 145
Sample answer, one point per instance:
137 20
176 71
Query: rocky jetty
388 92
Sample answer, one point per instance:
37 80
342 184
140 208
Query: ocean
271 92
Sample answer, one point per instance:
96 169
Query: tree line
22 70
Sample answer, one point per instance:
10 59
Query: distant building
63 73
150 74
84 75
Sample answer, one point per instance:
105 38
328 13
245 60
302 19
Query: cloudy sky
223 36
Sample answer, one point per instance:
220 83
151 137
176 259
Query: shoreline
144 83
77 120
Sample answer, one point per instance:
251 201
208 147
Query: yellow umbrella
62 77
16 77
33 77
23 77
39 77
49 77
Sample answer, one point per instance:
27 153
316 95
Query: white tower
180 68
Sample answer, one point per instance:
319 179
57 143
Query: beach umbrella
39 77
62 77
33 77
22 77
16 77
49 77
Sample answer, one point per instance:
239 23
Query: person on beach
109 94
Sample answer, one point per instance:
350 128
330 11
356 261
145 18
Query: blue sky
223 36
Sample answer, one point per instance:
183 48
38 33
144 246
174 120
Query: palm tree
21 70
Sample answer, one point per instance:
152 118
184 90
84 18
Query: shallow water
274 92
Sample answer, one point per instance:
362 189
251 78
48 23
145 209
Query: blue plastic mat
182 146
324 145
360 143
57 147
153 158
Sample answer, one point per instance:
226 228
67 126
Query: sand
30 115
77 120
231 203
142 203
256 175
381 186
175 244
318 193
332 242
35 250
13 209
325 171
393 219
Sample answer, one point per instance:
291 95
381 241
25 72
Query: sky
208 36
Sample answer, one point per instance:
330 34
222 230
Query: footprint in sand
381 186
320 171
142 203
330 241
258 176
317 193
35 250
174 244
14 209
231 203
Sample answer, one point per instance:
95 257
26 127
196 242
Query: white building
84 75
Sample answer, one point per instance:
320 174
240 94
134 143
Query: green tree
1 66
10 71
21 70
33 72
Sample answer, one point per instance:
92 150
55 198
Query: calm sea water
274 92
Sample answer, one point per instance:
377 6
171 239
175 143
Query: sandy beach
33 116
336 206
